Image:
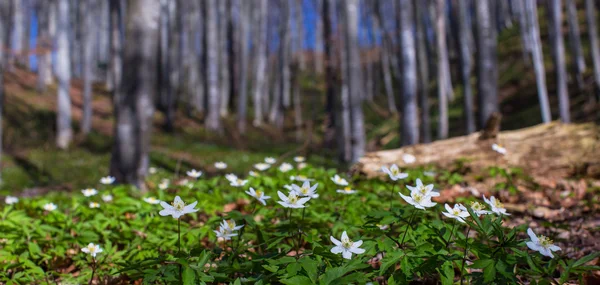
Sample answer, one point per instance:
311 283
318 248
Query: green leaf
189 276
310 266
34 249
332 274
297 280
585 259
447 273
271 268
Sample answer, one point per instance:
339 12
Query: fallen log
555 149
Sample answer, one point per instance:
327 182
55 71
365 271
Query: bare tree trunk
575 42
538 58
559 59
116 60
44 46
194 86
86 6
318 53
223 57
282 98
487 71
331 91
18 31
385 58
4 42
63 71
423 68
260 85
343 121
133 124
524 28
442 75
410 112
297 102
213 120
590 15
354 81
26 32
242 106
300 33
466 65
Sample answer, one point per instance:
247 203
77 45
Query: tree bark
194 85
242 106
423 68
410 112
524 28
4 42
466 66
86 6
133 113
260 85
575 42
487 71
116 60
318 54
213 120
442 75
538 58
63 72
282 93
590 15
559 59
299 9
26 32
331 85
224 57
44 46
18 31
385 57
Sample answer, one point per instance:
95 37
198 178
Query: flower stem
179 235
392 195
408 226
93 270
451 234
462 267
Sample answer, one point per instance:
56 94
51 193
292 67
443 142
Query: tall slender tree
63 72
4 41
385 57
242 106
116 60
331 84
86 7
44 46
487 70
410 112
538 58
443 92
423 68
224 46
575 42
558 57
213 120
590 15
260 84
134 109
466 66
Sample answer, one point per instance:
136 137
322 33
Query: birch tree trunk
116 60
318 53
538 58
282 95
260 18
242 106
354 81
331 122
524 29
195 88
343 122
385 57
18 30
26 32
559 59
575 42
45 42
224 57
410 112
63 72
86 6
134 109
443 91
213 120
4 42
590 15
466 65
423 68
487 71
299 9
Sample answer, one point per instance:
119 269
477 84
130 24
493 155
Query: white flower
499 149
94 205
49 207
479 209
299 159
262 166
151 200
418 200
394 172
346 246
194 173
383 227
259 195
107 198
252 173
238 182
152 170
306 190
183 182
542 244
220 165
89 192
92 249
301 165
409 158
9 200
300 178
107 180
288 187
222 233
285 167
429 173
347 190
425 190
459 212
177 208
230 226
270 160
292 200
497 206
164 184
231 177
339 180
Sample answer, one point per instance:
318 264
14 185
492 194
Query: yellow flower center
239 181
347 189
545 241
178 205
498 204
418 198
259 194
477 206
301 177
293 199
91 248
456 212
304 190
231 224
423 190
347 243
